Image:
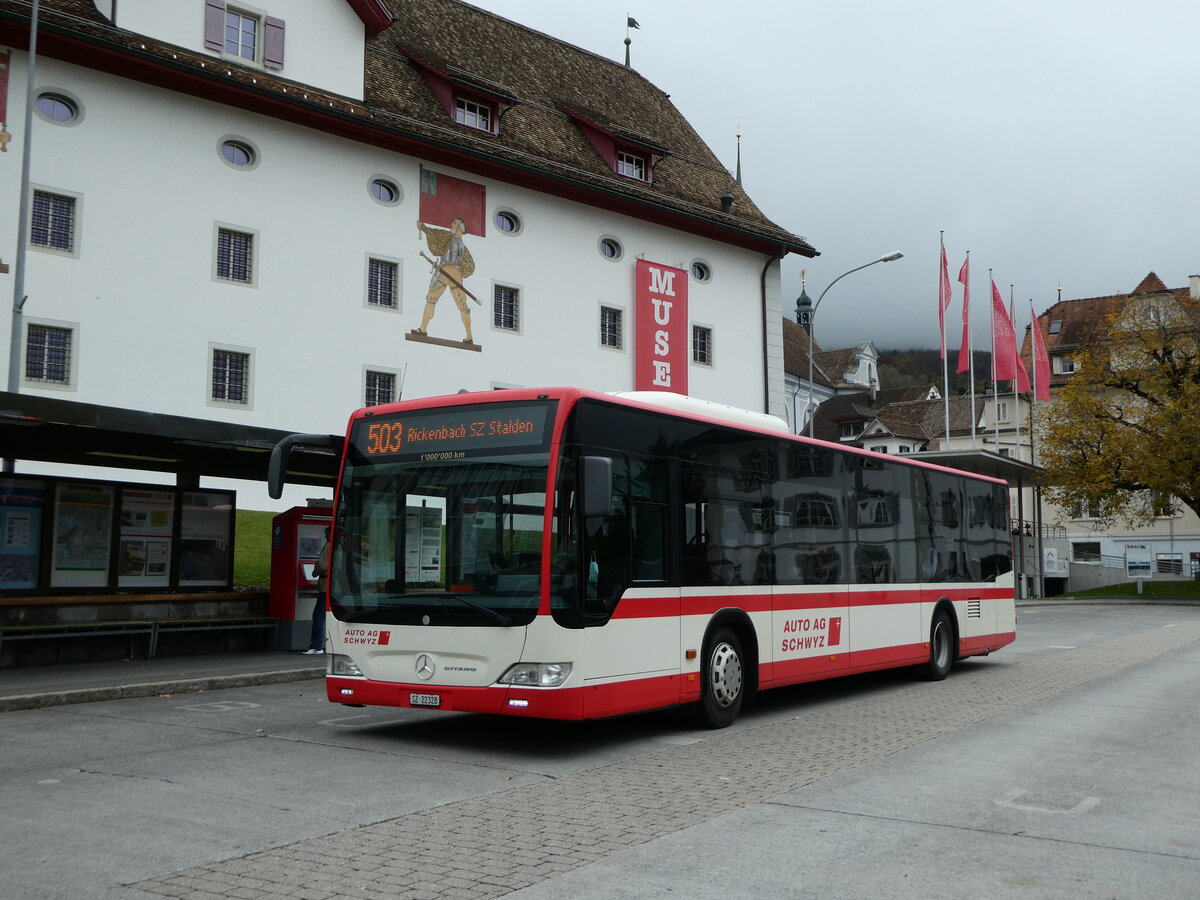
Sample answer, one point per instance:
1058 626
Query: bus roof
673 404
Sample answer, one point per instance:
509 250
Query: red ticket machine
296 539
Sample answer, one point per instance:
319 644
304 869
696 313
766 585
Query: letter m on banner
661 342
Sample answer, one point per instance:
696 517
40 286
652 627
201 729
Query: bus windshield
439 521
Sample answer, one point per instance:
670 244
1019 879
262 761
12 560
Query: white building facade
252 239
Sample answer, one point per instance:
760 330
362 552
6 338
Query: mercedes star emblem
425 666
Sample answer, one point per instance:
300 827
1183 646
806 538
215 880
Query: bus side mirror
277 467
597 485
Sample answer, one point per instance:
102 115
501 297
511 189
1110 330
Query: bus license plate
424 699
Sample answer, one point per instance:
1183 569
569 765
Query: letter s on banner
657 341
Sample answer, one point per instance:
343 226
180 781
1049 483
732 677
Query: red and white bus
569 554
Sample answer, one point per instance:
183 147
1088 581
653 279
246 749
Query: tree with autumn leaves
1123 435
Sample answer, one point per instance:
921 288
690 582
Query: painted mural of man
452 267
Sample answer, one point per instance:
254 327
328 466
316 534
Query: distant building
1097 553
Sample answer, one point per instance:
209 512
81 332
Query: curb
150 688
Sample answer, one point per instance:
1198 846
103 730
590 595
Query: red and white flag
1007 363
1041 361
943 299
964 349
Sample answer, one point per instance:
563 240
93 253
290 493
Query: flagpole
1012 315
971 357
19 296
943 291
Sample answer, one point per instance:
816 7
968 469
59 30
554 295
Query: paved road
1063 766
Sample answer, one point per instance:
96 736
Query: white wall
151 187
324 41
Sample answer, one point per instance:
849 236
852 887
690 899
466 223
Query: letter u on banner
661 336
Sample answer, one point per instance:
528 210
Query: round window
508 222
385 191
610 248
237 154
57 108
700 271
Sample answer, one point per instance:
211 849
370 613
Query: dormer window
473 114
469 100
631 166
625 152
243 34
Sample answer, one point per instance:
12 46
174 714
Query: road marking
221 706
1046 804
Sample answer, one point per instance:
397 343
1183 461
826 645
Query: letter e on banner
661 341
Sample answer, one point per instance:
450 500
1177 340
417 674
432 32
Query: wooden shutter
273 44
214 24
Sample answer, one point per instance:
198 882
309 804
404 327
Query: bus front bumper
504 700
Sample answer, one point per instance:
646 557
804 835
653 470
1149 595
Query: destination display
436 435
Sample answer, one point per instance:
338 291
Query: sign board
1052 565
1139 561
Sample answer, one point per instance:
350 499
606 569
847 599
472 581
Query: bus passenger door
632 615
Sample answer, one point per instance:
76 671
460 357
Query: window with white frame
1086 509
380 388
473 114
702 345
847 430
230 381
48 354
235 256
506 308
611 328
905 448
238 31
52 222
383 283
631 165
1001 410
1063 365
879 448
241 34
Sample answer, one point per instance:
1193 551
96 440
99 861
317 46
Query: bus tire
724 675
941 646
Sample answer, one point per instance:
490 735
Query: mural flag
445 198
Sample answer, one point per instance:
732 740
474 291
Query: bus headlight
340 664
536 674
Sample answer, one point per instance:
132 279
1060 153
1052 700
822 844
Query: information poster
82 534
423 545
21 506
206 539
144 548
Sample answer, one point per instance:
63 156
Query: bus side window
649 542
608 555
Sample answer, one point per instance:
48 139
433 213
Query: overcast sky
1056 140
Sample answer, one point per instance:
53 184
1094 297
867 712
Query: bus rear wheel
941 646
724 680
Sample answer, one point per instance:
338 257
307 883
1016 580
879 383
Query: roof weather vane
630 22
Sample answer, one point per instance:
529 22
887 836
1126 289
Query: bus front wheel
724 680
941 646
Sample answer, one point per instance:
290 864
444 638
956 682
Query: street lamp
806 313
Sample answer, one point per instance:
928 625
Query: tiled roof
859 406
1079 320
538 144
795 354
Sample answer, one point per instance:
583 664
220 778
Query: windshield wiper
498 616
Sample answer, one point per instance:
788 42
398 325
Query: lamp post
806 314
